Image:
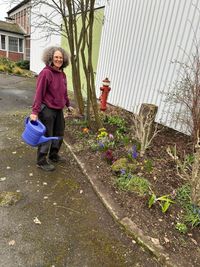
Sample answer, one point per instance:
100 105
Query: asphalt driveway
57 220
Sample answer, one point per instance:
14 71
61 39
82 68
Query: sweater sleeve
41 86
66 92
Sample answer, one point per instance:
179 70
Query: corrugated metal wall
140 39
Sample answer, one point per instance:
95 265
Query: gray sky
3 9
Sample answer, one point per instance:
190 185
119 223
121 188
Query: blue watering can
34 132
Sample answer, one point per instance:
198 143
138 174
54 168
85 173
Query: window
20 45
3 42
15 44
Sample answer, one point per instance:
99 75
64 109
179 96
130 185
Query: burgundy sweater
51 90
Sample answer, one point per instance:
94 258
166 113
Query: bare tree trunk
74 45
90 66
87 66
195 180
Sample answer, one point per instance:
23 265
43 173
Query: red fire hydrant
104 95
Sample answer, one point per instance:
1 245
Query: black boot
53 153
57 158
43 164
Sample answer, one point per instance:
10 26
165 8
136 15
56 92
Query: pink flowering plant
105 141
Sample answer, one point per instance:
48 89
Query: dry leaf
166 240
155 241
194 241
11 243
37 221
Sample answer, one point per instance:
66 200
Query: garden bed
157 168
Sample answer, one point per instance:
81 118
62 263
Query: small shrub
123 164
23 64
137 184
2 68
117 121
181 227
17 70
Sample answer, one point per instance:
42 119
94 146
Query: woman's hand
70 109
33 117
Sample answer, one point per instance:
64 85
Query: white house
40 37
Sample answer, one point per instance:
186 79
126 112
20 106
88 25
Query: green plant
93 145
188 168
183 195
122 166
181 227
78 122
17 70
2 68
163 201
192 216
125 140
117 121
130 182
9 66
148 165
191 212
23 64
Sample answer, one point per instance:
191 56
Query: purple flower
123 172
134 152
101 144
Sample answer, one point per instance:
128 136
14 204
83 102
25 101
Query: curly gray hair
49 52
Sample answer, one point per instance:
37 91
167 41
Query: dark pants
54 122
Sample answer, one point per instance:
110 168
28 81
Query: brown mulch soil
163 178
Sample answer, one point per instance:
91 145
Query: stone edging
145 241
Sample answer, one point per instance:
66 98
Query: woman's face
57 59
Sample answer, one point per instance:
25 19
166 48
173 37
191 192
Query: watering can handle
26 120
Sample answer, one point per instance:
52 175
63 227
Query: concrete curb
117 213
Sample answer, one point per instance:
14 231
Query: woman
50 99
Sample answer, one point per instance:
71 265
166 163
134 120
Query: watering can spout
44 139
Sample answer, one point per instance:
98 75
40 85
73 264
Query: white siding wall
38 40
140 39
